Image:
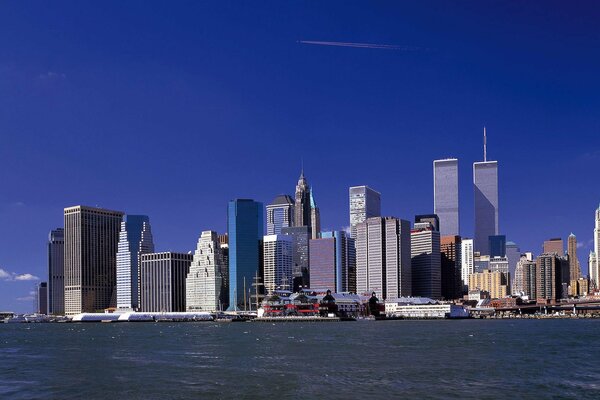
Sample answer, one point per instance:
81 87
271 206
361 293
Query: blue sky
172 109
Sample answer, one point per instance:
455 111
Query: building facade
497 246
206 281
56 272
445 195
467 262
280 214
41 296
485 183
554 245
574 266
162 281
552 277
300 254
330 261
450 248
91 245
302 210
364 203
277 256
315 217
426 261
135 239
493 282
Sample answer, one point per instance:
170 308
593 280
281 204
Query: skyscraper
467 262
245 232
315 217
91 245
162 281
330 258
302 208
432 219
513 255
574 266
485 184
300 254
41 295
445 195
552 277
277 258
383 258
450 247
56 272
426 261
364 203
206 279
135 239
554 245
594 261
497 246
280 214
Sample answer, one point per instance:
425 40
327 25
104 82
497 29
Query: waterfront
409 359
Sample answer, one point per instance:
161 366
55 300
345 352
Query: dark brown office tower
554 246
451 269
552 277
574 266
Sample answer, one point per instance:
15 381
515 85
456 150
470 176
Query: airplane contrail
361 45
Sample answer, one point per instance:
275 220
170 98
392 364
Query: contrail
362 45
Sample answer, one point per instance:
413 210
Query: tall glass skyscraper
445 195
364 203
280 214
485 181
245 231
56 272
135 239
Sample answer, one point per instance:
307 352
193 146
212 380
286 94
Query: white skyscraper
277 256
205 281
135 239
445 195
364 203
594 264
467 262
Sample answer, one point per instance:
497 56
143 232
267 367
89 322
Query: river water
467 359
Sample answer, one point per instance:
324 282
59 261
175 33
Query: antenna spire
484 145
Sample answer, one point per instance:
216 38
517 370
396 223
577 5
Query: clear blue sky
173 108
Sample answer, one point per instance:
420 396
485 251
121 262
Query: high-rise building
300 254
530 277
552 277
135 239
205 284
518 282
485 183
497 246
245 232
280 214
277 258
493 282
330 258
302 208
426 261
445 195
513 255
574 266
315 217
432 219
594 259
364 203
41 296
467 262
162 281
554 245
450 248
56 272
91 245
383 257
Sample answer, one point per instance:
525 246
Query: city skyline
68 99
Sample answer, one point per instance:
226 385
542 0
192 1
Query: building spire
301 166
484 145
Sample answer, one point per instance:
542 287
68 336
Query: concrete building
41 297
56 272
485 183
518 285
467 262
277 256
300 254
431 219
426 261
330 261
450 248
383 257
91 245
552 277
245 233
574 266
493 282
162 281
554 245
445 195
364 203
280 214
205 284
135 239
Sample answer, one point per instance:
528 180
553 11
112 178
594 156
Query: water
469 359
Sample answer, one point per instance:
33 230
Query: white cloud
26 298
12 276
5 275
26 277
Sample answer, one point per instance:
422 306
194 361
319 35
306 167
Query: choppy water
374 360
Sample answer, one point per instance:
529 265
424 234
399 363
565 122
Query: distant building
383 257
497 246
330 261
300 254
56 272
495 283
315 217
206 281
485 183
41 298
450 248
594 262
467 262
431 219
426 261
245 232
530 272
135 239
513 255
364 203
162 281
445 196
280 214
91 245
554 246
574 266
302 202
499 264
277 256
552 277
519 281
